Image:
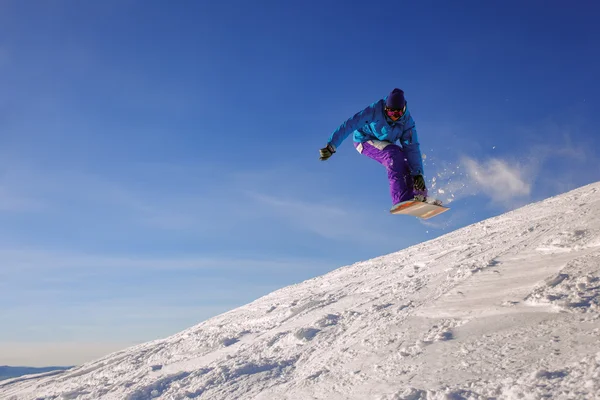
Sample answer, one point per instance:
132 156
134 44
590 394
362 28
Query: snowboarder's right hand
419 182
326 152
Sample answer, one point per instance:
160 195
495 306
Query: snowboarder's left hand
419 182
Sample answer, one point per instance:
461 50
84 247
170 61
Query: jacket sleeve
410 144
359 119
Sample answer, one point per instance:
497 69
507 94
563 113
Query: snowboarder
376 129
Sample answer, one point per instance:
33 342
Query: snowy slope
507 308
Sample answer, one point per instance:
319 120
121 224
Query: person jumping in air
376 129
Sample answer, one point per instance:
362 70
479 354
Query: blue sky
159 160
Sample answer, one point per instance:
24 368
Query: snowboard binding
424 199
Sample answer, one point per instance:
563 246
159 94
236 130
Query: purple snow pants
392 158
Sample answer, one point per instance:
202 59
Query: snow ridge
507 308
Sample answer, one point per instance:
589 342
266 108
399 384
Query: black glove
419 182
326 152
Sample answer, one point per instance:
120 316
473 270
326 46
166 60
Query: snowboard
419 209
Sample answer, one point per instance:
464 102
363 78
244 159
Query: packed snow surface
507 308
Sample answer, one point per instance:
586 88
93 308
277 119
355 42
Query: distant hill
13 372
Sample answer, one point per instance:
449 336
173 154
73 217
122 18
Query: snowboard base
418 209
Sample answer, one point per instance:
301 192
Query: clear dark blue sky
159 160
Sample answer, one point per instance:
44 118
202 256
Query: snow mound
576 288
507 308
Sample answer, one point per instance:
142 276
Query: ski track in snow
507 308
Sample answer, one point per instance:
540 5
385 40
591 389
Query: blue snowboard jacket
373 124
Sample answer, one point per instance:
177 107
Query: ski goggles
395 112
